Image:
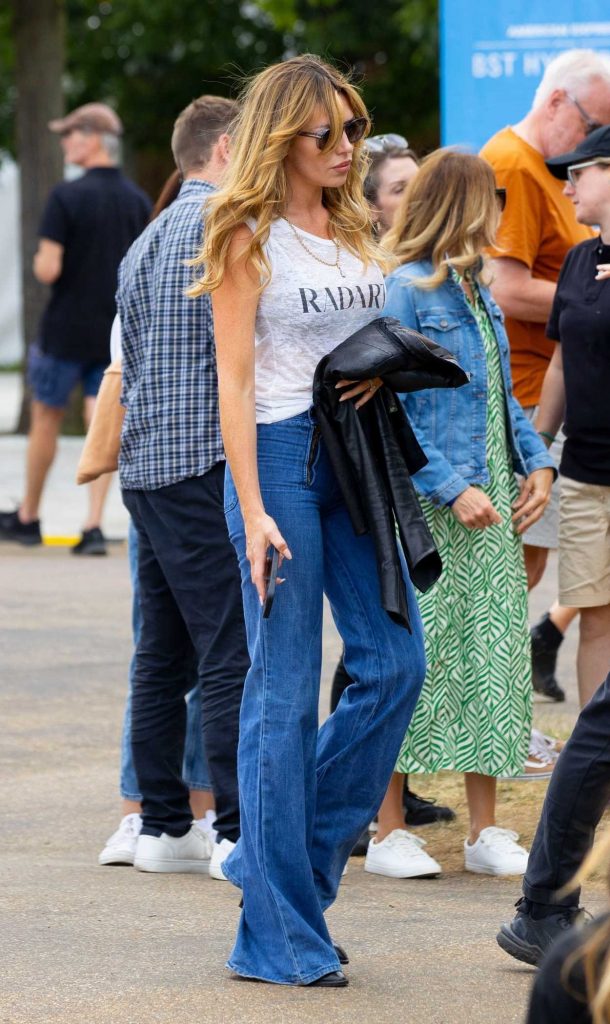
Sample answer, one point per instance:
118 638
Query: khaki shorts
584 544
544 533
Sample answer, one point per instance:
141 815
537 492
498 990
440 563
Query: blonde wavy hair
593 955
276 104
449 214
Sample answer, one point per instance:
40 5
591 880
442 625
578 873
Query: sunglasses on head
385 143
354 129
501 197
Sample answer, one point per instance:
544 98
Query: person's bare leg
98 490
391 813
42 445
561 616
535 564
201 801
593 650
481 797
130 807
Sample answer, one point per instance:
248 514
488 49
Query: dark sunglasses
501 197
354 129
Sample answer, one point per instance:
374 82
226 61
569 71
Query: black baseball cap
592 147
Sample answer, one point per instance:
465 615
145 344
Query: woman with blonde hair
474 714
292 268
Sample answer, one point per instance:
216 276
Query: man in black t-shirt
576 390
86 229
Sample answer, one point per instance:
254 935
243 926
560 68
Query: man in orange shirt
538 227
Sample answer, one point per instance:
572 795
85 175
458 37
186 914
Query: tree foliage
149 58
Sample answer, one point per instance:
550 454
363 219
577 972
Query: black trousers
577 796
191 607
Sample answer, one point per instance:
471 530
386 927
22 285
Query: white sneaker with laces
188 853
400 855
496 852
121 847
220 852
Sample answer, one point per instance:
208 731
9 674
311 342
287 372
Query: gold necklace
336 263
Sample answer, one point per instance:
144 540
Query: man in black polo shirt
86 229
576 389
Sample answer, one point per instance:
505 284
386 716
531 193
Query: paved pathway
84 944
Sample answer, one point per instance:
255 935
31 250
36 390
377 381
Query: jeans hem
548 897
198 787
136 797
303 980
229 877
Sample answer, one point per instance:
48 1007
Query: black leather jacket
374 450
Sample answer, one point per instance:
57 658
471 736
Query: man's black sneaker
424 812
92 542
546 641
11 528
527 938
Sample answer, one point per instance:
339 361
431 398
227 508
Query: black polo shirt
580 321
95 218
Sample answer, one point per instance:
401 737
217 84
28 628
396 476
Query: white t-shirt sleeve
116 350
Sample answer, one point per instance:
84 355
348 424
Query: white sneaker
220 852
400 855
191 852
121 847
496 852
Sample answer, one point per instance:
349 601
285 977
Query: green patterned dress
474 713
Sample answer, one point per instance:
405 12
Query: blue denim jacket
451 424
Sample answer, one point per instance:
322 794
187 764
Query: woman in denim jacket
474 714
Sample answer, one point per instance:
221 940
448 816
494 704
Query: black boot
423 812
546 641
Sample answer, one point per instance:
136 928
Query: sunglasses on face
501 197
574 170
354 129
384 143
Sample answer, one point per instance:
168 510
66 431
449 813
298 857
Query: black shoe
546 641
361 846
336 979
527 939
92 542
424 812
342 956
11 528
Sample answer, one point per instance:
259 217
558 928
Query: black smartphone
271 570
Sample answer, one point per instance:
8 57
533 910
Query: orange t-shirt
537 228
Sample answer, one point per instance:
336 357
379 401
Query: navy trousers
191 608
577 796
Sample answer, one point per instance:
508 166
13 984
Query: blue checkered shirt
171 429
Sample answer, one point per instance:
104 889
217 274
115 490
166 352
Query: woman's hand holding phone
262 535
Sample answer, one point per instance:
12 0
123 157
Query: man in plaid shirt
171 468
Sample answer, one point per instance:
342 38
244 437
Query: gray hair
572 71
112 145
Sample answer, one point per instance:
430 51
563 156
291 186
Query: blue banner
493 56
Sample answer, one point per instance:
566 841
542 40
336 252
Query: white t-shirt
116 349
305 311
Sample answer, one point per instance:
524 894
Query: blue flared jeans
306 794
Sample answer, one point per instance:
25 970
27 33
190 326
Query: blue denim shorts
52 380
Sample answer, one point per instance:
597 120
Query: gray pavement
80 943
